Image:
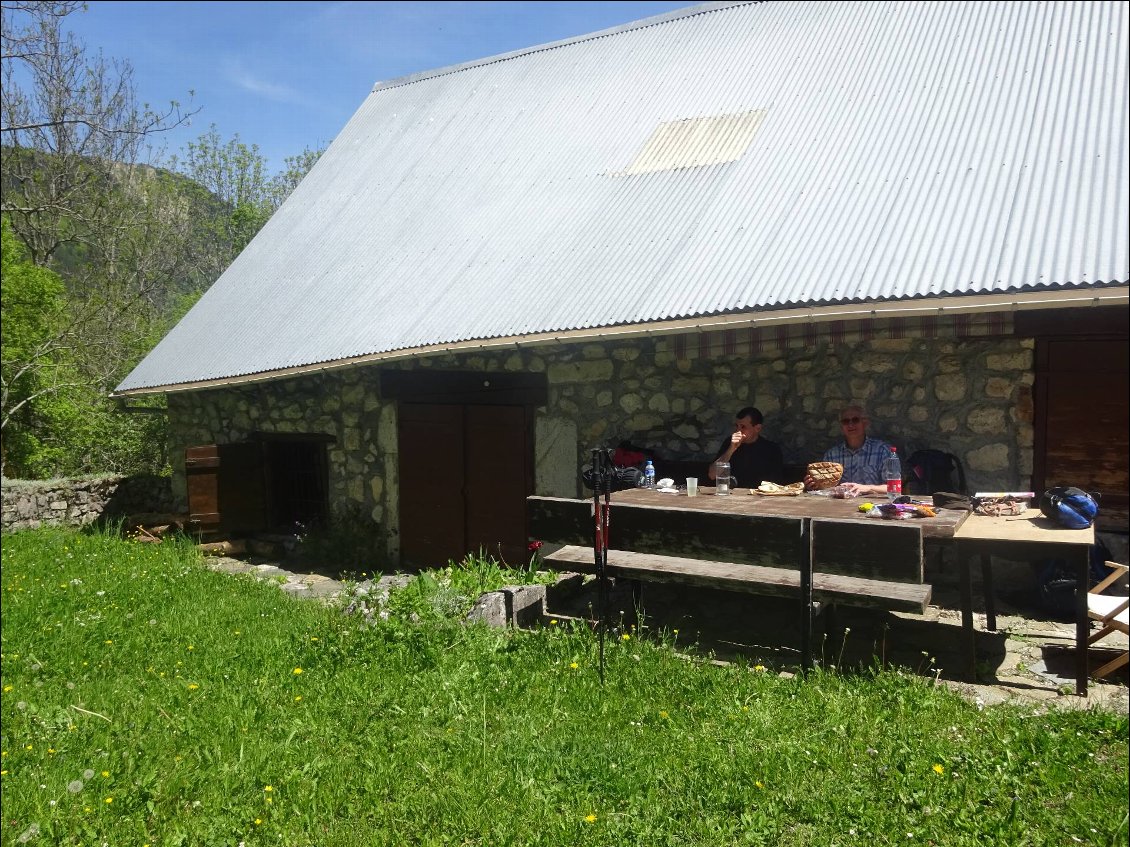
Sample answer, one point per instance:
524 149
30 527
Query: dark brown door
465 471
1083 386
431 484
496 486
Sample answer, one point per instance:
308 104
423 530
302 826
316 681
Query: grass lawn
150 701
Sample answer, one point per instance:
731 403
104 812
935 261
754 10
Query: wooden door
1082 388
497 482
465 471
431 483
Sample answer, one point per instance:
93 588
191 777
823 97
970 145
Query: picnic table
743 541
811 546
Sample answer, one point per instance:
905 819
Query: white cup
692 486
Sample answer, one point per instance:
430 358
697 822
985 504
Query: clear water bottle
892 473
649 475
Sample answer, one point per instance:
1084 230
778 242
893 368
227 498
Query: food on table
825 474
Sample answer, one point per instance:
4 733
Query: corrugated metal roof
901 150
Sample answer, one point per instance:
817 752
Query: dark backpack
928 471
612 477
1071 507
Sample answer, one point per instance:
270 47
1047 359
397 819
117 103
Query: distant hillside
201 207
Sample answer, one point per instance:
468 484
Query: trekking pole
598 551
606 521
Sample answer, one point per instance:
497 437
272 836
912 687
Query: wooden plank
874 550
750 579
765 540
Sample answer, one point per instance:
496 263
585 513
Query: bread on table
825 474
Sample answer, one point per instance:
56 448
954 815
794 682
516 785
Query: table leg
806 594
987 589
1082 626
965 585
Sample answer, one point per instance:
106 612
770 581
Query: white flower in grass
75 785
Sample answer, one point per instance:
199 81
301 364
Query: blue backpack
1071 507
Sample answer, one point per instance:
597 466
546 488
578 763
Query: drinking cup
692 486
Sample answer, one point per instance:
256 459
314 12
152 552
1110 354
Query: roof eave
1112 295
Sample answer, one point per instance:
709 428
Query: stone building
627 236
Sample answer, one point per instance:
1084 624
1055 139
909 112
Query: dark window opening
297 477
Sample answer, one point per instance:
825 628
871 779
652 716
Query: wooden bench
816 560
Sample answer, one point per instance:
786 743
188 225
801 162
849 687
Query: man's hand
735 441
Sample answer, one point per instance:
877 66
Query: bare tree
70 124
82 200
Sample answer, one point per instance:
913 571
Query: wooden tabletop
807 505
1029 526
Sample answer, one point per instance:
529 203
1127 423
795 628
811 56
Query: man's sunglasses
848 421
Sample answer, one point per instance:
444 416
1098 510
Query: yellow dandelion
298 698
663 714
626 637
258 821
192 686
758 784
105 774
574 665
109 800
759 668
297 671
190 647
7 688
590 818
553 621
109 640
268 788
938 769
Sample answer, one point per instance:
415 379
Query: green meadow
148 700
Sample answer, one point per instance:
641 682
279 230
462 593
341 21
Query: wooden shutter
202 475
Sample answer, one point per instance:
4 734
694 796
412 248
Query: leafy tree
32 366
236 175
106 250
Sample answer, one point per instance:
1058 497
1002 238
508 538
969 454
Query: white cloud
244 79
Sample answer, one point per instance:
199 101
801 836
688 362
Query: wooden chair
1111 612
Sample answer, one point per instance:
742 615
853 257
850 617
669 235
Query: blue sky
287 76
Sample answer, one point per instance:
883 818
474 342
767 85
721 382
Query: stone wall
970 396
28 504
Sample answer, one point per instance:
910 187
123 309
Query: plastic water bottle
649 475
892 473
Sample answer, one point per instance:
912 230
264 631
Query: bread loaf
825 474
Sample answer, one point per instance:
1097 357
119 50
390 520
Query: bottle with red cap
892 473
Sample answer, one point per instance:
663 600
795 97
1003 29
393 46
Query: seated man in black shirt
753 459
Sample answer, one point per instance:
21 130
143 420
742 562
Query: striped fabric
750 341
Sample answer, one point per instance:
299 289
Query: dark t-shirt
753 464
